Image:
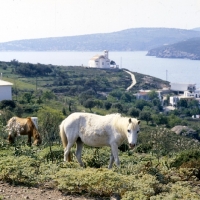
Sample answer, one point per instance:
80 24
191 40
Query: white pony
97 131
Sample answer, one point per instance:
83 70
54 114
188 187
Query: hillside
73 81
136 39
189 49
163 165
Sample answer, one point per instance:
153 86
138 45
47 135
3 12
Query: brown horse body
23 126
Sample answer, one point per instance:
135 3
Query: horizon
22 19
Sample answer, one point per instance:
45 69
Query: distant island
135 39
189 49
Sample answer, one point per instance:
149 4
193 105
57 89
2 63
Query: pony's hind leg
67 155
79 151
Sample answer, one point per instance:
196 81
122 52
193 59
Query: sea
172 70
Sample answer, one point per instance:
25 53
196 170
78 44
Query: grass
140 175
17 83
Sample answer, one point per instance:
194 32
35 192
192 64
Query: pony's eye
138 131
128 130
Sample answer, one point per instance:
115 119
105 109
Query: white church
101 61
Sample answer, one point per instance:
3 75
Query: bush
49 121
186 157
133 112
7 104
144 148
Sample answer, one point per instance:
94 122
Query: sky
30 19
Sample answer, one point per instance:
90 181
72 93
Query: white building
173 100
5 90
100 61
182 87
185 91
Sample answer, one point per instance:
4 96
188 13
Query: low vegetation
164 165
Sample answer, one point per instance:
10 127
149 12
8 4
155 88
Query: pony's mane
120 123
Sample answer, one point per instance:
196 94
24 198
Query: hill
72 81
136 39
189 49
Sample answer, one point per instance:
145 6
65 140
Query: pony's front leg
29 139
111 161
79 151
114 149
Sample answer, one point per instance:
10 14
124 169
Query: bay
173 70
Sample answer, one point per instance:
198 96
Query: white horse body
97 131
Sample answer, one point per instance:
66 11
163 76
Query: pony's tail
64 139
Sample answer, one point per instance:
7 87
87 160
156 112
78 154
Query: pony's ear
138 121
129 120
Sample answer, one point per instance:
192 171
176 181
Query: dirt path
133 80
8 192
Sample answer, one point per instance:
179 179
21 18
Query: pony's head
37 139
132 132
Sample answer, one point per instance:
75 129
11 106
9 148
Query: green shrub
186 157
144 148
96 157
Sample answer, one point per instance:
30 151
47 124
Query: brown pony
23 126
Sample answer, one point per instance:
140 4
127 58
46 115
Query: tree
112 62
7 103
159 119
145 115
153 95
27 97
64 112
19 110
126 97
118 106
157 103
116 93
49 120
98 103
48 95
134 112
89 104
92 83
14 62
88 94
39 101
107 105
182 103
140 104
193 104
173 121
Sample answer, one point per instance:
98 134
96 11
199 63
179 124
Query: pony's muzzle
131 145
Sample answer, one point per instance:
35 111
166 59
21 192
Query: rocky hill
136 39
189 49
